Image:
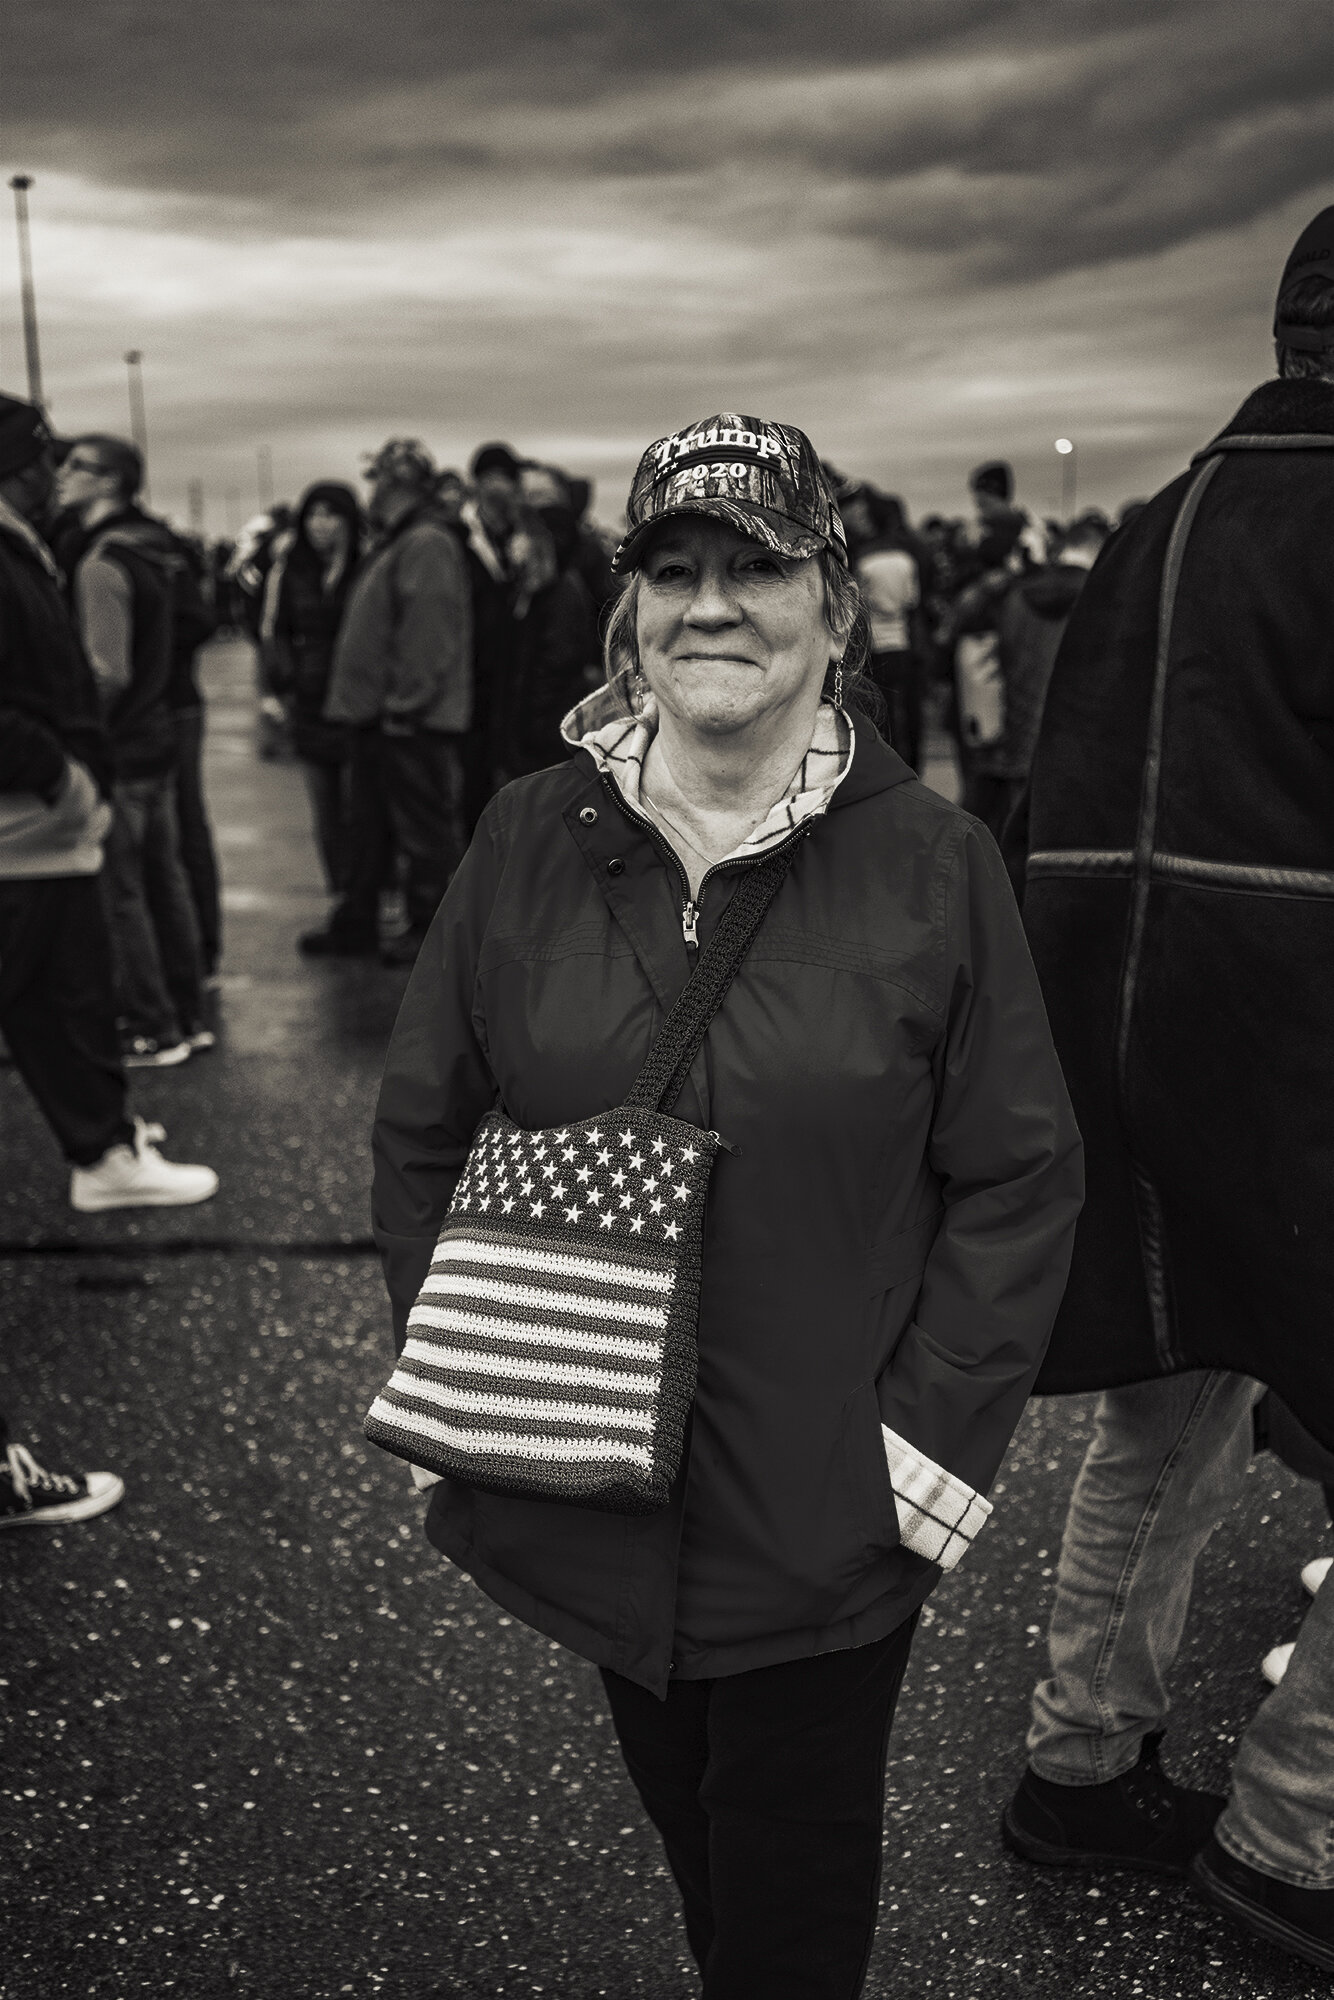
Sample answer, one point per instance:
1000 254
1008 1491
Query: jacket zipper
692 905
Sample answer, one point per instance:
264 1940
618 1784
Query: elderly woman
887 1233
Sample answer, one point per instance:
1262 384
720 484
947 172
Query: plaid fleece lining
618 744
938 1514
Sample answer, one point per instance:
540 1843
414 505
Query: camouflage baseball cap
405 460
763 479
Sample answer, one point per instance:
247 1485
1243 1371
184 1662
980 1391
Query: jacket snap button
615 867
588 814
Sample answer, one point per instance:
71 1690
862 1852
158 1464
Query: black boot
1300 1920
1139 1820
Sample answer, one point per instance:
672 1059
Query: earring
638 691
838 684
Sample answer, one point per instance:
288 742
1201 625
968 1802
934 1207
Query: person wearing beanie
57 996
1176 864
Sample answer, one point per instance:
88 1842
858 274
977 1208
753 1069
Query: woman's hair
844 615
1309 303
340 500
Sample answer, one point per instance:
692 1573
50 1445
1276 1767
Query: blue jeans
1166 1460
154 930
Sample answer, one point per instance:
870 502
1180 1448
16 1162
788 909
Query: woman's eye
670 572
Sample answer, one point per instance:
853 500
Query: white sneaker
201 1041
1315 1573
142 1052
1274 1665
30 1496
137 1176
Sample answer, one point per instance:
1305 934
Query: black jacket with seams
888 1243
49 709
1179 899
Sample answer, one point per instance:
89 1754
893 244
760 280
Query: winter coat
125 581
300 631
1179 901
555 652
1030 624
54 755
886 1243
404 653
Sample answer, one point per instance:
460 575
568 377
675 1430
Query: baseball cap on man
763 479
1312 256
24 436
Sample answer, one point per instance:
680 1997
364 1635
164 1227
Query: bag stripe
487 1334
570 1451
521 1368
532 1409
510 1255
448 1286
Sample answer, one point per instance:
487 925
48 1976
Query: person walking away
122 568
889 574
57 995
306 598
888 1228
194 622
1030 620
402 676
1179 899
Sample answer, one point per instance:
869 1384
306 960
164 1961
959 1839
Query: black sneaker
1300 1920
1139 1820
340 941
30 1496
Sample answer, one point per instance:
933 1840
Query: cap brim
764 525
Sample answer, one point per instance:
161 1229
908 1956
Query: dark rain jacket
1179 901
888 1243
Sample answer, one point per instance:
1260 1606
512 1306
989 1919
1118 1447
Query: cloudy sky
928 231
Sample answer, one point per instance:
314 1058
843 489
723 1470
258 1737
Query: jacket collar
618 743
13 524
1298 408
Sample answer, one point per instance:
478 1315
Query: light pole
134 362
1067 450
20 184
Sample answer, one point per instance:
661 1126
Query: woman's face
326 531
728 632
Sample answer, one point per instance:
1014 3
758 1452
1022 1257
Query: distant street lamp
1067 450
20 184
134 362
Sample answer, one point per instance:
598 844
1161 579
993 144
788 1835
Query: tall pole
134 362
264 475
195 499
20 184
1066 448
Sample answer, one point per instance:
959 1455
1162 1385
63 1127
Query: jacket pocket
868 1472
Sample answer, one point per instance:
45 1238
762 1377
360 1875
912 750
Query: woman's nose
712 602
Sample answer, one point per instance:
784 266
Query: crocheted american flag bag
551 1351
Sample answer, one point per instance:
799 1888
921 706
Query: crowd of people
919 1059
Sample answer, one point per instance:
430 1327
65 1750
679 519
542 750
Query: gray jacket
404 654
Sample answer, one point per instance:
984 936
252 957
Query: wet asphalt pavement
259 1739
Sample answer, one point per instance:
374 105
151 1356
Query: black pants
768 1790
198 857
154 930
58 1010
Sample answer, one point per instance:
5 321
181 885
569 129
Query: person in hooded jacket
123 567
556 647
305 597
888 1228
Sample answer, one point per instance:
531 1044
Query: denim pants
768 1790
1166 1460
196 835
154 930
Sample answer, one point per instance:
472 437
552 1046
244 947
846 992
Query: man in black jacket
1178 895
124 570
57 1009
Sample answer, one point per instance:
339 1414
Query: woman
888 569
304 600
888 1231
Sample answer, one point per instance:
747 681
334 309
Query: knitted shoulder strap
681 1036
